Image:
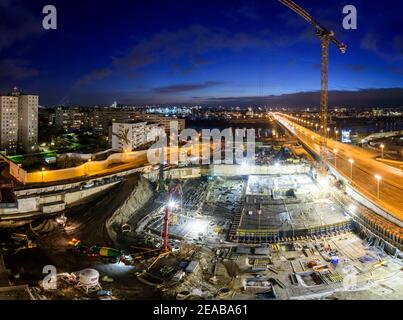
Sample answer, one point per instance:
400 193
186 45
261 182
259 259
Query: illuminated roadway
365 167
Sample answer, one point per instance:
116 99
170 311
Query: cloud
244 11
316 66
398 43
200 62
369 42
356 67
377 97
396 70
185 43
389 51
97 74
17 24
188 45
180 88
370 97
16 70
189 67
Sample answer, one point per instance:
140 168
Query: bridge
382 135
381 184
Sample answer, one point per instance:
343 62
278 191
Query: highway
361 173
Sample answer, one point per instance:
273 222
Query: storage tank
89 277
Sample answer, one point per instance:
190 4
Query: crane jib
320 30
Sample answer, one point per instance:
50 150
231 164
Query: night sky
190 52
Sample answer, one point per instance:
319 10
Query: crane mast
324 43
325 37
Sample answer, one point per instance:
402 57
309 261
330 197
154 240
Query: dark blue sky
193 51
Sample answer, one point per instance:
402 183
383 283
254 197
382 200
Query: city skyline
217 54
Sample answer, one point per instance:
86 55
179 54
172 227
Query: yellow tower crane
326 36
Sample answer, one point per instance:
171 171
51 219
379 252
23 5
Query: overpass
382 135
358 167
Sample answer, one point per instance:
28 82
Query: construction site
281 231
287 226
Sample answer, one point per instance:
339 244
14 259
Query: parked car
88 185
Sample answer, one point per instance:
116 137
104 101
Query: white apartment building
127 136
8 123
18 121
28 122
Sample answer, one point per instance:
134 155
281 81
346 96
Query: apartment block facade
129 136
28 122
100 119
18 122
9 121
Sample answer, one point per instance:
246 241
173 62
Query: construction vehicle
108 254
76 246
105 253
326 36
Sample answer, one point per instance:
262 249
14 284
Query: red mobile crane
169 206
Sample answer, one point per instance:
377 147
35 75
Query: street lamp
378 179
351 168
328 130
382 146
336 132
335 158
316 126
172 204
43 171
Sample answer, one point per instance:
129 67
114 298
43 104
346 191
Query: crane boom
178 189
320 29
326 36
304 14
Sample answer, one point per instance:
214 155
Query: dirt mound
138 198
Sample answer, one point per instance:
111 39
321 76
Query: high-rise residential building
28 122
8 123
18 121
